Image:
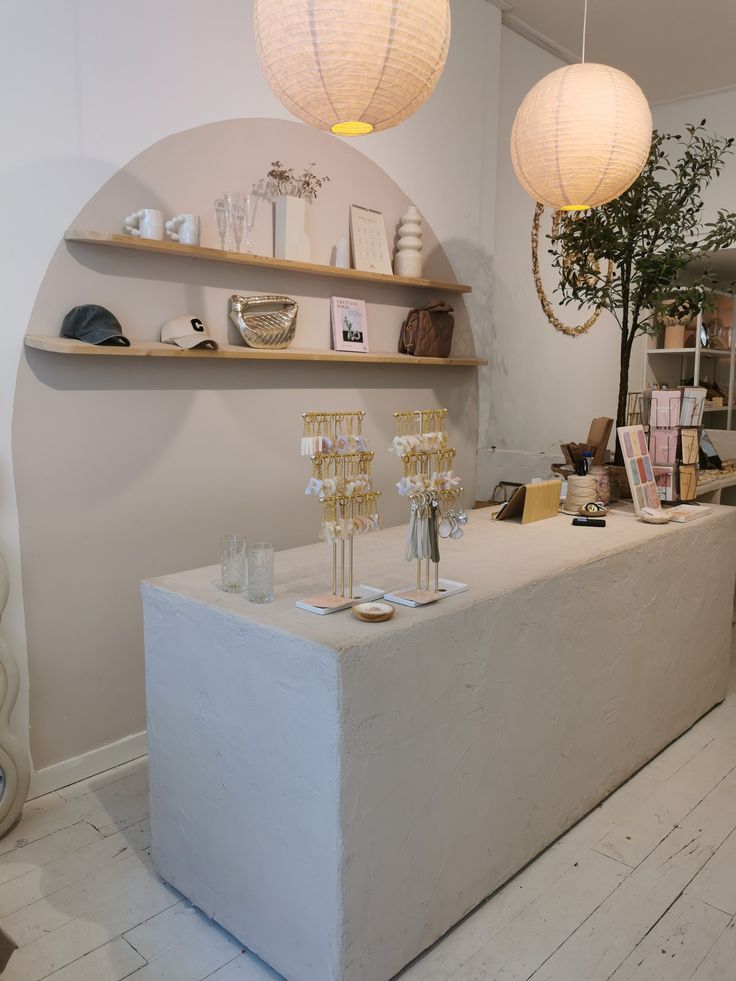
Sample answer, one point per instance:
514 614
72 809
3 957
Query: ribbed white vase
408 260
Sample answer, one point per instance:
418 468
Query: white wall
719 111
543 386
88 85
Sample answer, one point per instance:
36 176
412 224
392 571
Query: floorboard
642 889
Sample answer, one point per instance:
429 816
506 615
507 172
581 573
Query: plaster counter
338 794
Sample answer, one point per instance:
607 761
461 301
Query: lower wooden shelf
155 349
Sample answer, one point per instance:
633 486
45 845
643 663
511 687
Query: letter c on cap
197 325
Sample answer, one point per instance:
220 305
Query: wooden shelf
155 349
161 247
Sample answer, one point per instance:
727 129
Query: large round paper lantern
352 66
581 137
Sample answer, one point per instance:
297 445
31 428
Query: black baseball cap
95 325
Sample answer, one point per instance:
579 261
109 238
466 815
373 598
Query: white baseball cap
187 332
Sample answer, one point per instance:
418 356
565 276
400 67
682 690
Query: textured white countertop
493 558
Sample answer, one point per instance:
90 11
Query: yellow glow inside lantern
352 128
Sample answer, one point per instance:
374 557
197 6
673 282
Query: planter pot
674 335
290 235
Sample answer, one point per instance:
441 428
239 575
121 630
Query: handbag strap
438 307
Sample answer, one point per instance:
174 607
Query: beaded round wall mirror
15 771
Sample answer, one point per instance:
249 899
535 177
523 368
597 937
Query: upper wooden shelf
161 247
155 349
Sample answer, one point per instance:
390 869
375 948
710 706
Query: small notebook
532 502
686 512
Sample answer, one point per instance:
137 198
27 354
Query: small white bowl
373 612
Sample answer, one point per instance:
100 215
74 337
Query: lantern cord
585 28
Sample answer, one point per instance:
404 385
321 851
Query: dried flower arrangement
283 181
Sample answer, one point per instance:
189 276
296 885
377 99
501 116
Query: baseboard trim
60 775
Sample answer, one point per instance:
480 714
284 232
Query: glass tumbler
260 573
232 564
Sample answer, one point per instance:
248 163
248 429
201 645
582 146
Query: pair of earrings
409 485
444 481
315 444
416 442
324 488
330 486
451 524
361 524
344 443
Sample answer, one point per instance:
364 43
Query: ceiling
673 48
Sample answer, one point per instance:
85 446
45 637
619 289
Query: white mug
184 229
146 223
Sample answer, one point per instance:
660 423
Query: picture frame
349 324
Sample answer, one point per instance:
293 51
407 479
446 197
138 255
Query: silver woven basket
264 321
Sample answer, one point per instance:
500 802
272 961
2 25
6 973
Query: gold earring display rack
433 491
341 479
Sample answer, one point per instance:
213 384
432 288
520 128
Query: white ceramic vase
408 260
290 232
14 765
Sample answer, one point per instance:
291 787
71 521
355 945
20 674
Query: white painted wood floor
643 888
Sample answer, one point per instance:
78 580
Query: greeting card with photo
349 324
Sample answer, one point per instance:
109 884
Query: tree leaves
651 234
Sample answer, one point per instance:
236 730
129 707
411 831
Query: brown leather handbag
427 331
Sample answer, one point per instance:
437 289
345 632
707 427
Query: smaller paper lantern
581 136
352 66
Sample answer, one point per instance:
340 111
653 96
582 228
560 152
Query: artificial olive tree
655 240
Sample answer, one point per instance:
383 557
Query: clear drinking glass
221 216
233 203
250 205
238 227
260 573
232 564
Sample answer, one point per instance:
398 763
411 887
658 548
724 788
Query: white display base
364 594
448 586
338 794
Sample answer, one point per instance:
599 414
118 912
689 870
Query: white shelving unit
700 362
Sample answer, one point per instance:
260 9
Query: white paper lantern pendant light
352 66
581 136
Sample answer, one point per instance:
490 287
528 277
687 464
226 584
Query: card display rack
672 420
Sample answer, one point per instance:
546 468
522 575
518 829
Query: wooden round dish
373 612
600 512
650 519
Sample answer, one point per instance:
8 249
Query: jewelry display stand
433 489
341 477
